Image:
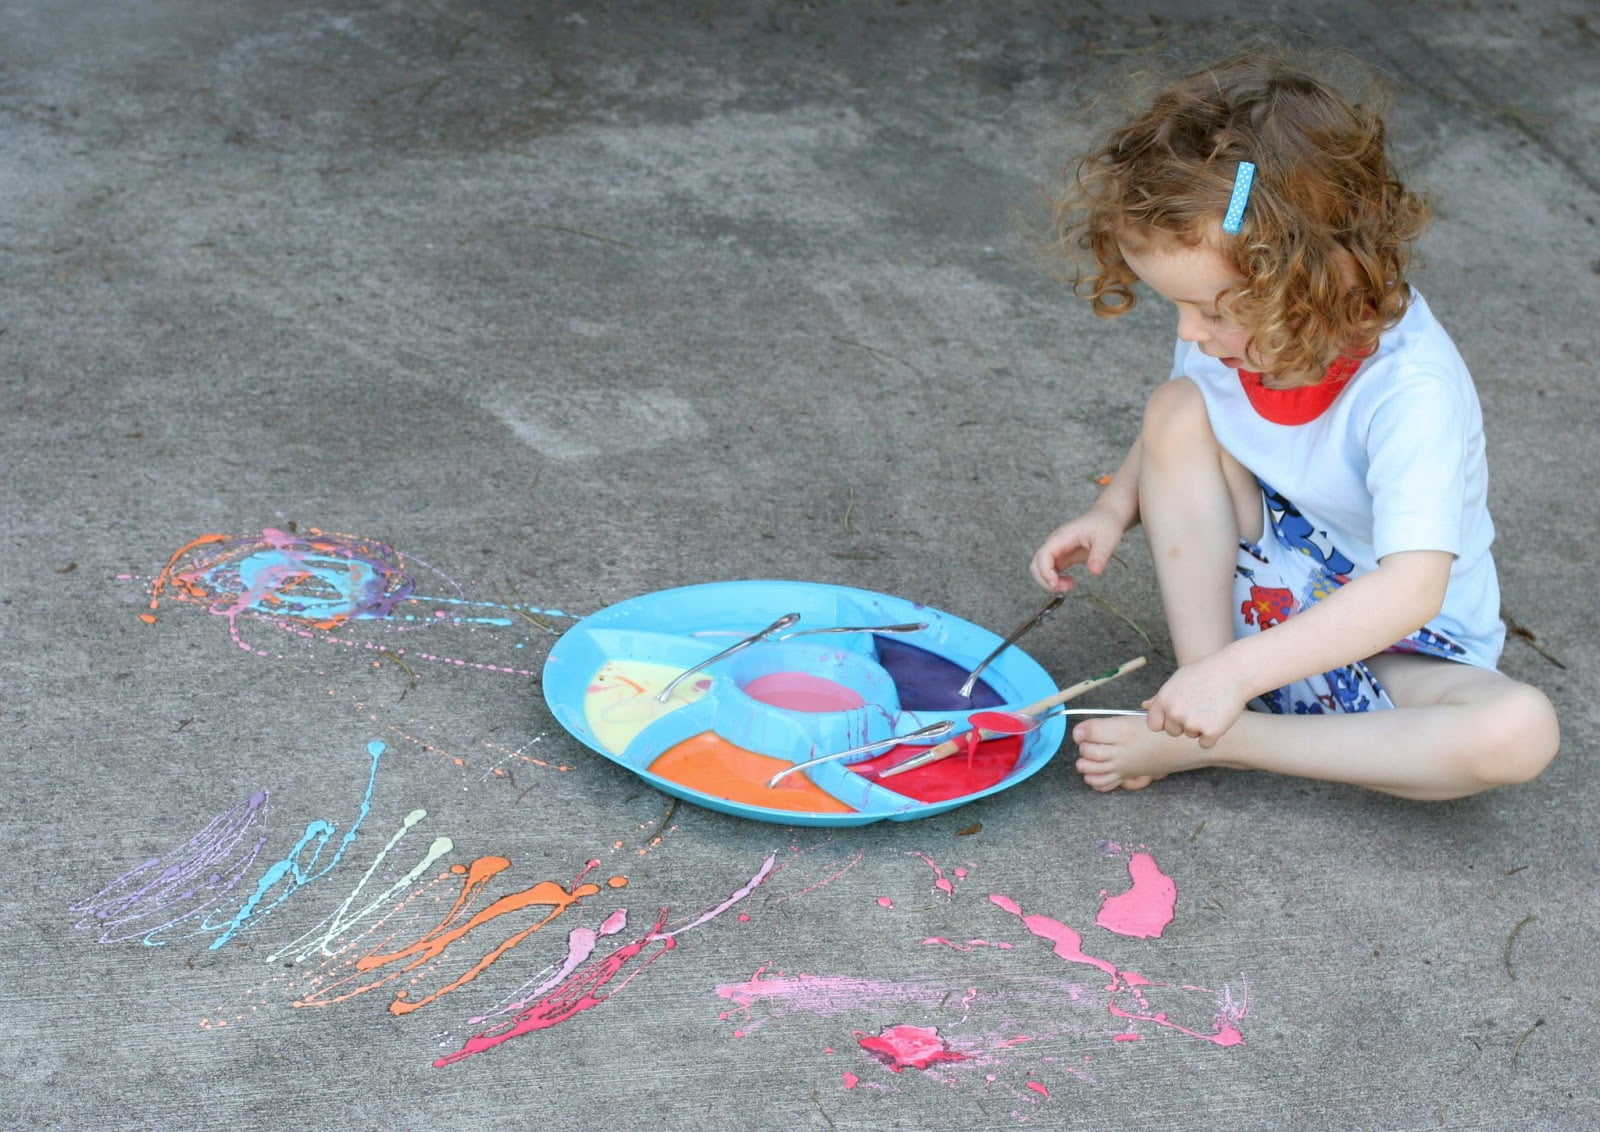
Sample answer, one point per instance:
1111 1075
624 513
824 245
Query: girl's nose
1191 327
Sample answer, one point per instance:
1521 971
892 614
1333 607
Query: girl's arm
1094 536
1364 617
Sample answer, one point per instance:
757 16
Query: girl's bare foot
1123 751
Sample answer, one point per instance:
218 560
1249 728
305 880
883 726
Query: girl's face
1191 279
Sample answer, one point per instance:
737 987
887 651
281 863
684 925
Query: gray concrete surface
567 303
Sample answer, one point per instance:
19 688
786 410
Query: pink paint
941 883
885 902
1040 1089
801 691
971 944
851 1080
1146 908
1069 946
1127 1037
1068 943
581 990
914 1047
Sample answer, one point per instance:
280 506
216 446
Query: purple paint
927 681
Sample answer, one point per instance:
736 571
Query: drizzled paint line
291 872
456 923
311 584
184 884
581 989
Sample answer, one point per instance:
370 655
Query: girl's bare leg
1455 730
1195 502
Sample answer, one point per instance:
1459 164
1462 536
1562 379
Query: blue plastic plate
599 679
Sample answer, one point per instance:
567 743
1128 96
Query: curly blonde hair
1328 232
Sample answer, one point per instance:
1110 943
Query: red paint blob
910 1047
954 777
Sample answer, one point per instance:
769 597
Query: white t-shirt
1395 463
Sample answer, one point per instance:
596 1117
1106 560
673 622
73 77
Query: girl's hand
1201 700
1090 539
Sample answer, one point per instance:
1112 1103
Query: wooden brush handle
951 746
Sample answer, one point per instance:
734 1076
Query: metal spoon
781 623
932 731
1012 723
1046 610
913 627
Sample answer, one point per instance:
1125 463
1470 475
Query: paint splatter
580 990
182 885
1146 908
314 584
942 883
904 1047
1129 985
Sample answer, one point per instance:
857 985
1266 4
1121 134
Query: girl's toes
1103 780
1139 782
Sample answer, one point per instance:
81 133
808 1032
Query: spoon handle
781 623
931 731
1049 607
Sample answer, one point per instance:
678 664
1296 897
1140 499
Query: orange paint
165 577
548 894
715 766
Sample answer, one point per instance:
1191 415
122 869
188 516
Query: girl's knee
1520 739
1175 407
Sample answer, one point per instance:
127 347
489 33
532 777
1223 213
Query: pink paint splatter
851 1080
581 990
885 902
1040 1089
914 1047
941 883
1069 946
971 944
1146 908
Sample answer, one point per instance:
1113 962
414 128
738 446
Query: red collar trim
1303 403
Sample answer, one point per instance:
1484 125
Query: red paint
913 1047
801 691
1003 722
955 777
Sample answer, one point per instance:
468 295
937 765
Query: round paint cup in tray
726 730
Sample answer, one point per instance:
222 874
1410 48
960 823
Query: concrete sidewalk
534 308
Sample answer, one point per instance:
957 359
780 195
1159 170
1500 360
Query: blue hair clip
1242 180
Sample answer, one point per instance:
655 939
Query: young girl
1315 466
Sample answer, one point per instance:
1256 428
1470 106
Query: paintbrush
954 746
